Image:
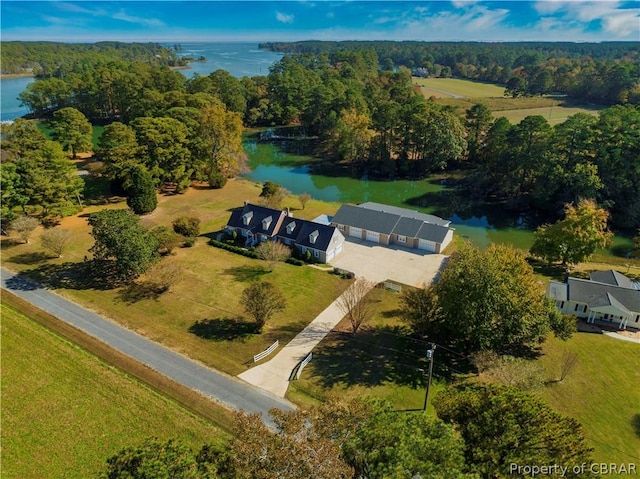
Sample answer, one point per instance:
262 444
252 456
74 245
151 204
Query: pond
287 163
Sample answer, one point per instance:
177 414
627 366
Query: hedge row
294 261
233 249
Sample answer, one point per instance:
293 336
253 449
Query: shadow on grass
550 270
370 358
246 273
29 258
138 291
635 423
223 329
94 274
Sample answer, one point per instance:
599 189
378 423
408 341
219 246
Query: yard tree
273 252
168 239
345 438
356 303
502 425
304 198
24 226
220 137
56 240
72 129
119 236
11 194
261 300
478 120
187 226
487 300
21 136
273 194
141 192
576 237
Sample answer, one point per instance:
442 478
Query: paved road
224 389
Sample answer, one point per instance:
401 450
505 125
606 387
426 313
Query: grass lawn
452 88
553 114
380 361
200 316
64 412
601 392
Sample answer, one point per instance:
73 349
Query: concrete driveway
378 263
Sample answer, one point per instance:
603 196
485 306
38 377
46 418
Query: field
64 412
455 88
463 94
200 316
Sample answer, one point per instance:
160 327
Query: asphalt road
224 389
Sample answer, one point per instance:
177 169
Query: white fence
303 364
266 352
393 286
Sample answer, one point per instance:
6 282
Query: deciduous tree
304 198
576 237
24 226
273 252
56 240
187 226
486 300
261 301
356 303
503 426
119 236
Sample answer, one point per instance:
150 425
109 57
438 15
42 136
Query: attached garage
373 236
355 232
427 245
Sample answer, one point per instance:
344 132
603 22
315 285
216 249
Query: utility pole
430 358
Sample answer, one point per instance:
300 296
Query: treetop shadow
223 329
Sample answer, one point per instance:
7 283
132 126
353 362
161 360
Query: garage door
427 245
355 232
373 236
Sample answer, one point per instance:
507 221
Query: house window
246 218
290 227
584 308
263 238
576 308
637 318
266 222
561 304
402 239
313 237
341 227
316 253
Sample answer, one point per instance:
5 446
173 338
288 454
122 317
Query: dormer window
290 227
246 218
266 222
313 237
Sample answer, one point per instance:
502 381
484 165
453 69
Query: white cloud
148 22
463 3
284 18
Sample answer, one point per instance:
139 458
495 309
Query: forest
364 117
604 73
44 59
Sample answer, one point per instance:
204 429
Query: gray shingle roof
431 232
408 227
405 213
588 292
323 234
611 277
257 214
366 219
608 300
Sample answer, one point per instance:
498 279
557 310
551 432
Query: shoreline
7 76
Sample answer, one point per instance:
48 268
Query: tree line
363 115
603 73
44 59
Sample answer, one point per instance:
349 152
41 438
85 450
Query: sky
266 20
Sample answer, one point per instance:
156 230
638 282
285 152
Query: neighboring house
385 224
258 224
608 296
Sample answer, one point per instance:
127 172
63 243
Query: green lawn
200 316
601 392
64 412
553 114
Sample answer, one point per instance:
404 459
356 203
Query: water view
239 59
10 107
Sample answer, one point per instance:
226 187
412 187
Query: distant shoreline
6 76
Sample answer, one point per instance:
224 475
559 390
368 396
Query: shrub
188 226
189 241
167 239
295 262
233 249
141 195
216 179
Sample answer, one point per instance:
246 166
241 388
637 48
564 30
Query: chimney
287 211
246 202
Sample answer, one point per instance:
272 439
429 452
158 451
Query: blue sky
474 20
